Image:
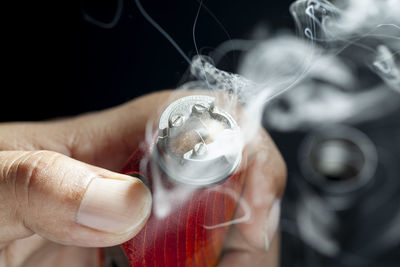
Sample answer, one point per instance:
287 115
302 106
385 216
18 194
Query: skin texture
40 227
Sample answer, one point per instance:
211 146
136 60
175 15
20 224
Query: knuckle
33 164
29 170
22 172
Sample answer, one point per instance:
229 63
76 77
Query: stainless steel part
198 143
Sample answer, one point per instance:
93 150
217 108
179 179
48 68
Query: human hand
52 204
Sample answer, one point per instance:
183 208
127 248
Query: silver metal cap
198 143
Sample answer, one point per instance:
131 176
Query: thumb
68 201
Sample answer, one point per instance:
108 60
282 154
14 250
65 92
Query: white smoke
342 67
340 70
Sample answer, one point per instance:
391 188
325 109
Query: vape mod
195 170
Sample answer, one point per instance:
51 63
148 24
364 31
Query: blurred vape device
195 170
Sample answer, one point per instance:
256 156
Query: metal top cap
198 143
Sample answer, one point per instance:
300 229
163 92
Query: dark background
58 64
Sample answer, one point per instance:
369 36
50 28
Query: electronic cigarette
196 161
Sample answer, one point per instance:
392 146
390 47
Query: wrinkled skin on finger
107 138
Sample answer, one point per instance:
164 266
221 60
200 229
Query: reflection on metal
197 137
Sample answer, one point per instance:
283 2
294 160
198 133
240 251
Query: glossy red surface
182 238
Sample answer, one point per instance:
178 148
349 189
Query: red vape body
183 237
197 159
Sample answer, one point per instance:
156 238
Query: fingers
106 138
109 137
264 186
36 251
68 201
239 258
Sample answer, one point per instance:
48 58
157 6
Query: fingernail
272 224
115 205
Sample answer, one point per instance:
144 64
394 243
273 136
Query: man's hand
59 191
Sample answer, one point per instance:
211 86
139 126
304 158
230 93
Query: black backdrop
55 63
